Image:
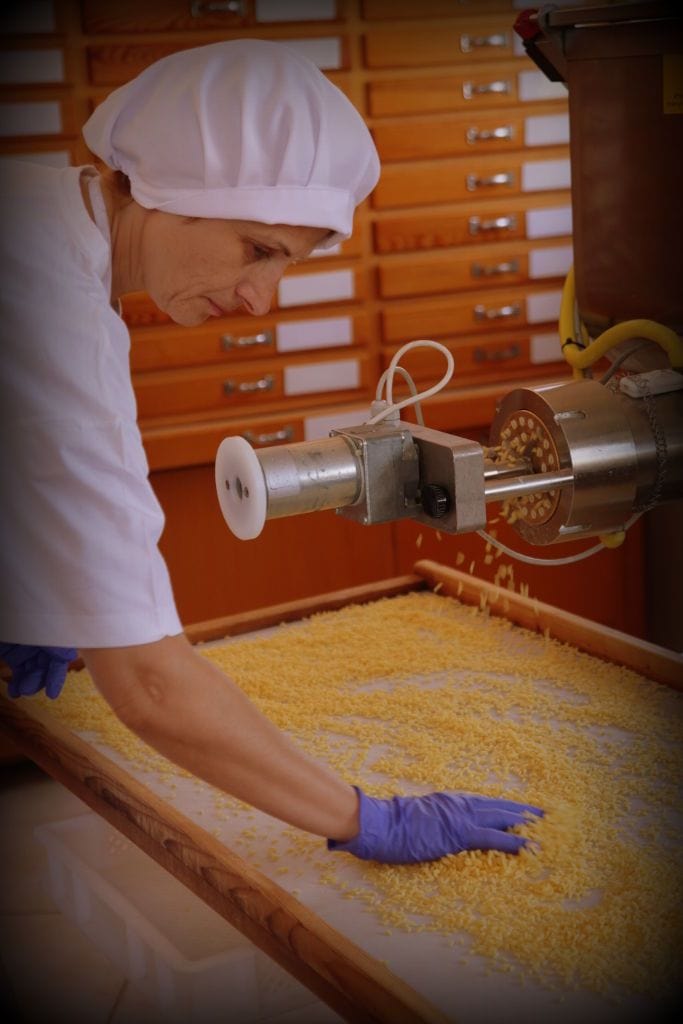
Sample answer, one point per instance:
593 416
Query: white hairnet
243 129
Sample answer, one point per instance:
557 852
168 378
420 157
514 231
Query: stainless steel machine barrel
309 476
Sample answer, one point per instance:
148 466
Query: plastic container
190 962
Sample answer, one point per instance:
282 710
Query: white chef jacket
79 522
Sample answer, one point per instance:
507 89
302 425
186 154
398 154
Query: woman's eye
260 252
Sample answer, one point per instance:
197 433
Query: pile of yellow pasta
419 692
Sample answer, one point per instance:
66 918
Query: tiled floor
50 972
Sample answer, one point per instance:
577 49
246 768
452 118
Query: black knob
435 500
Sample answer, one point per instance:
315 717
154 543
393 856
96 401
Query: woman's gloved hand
35 668
410 829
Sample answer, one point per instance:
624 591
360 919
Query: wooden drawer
103 17
453 42
44 18
189 444
530 217
231 390
115 63
230 341
37 116
470 314
471 133
38 64
394 9
471 178
483 267
61 153
196 444
315 285
504 356
502 85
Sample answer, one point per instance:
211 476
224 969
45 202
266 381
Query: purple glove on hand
35 668
410 829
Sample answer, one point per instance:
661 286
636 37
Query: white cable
530 560
389 373
411 386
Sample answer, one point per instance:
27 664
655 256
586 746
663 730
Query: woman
224 165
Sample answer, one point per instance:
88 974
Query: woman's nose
256 292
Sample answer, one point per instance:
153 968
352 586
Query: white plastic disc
241 487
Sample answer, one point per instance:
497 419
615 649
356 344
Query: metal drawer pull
200 7
469 43
474 182
490 134
286 434
248 386
472 89
476 224
482 313
499 355
248 341
479 270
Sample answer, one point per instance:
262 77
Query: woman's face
196 268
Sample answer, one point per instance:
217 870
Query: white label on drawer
533 85
30 118
31 66
28 16
296 10
549 130
327 286
52 157
552 262
543 307
336 376
316 427
303 334
325 51
545 348
542 175
549 223
518 45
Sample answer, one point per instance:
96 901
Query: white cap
240 130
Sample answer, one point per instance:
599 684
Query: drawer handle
286 434
490 134
474 182
501 313
200 7
469 43
499 355
247 341
472 89
476 224
480 270
249 386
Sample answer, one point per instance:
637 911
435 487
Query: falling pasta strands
422 692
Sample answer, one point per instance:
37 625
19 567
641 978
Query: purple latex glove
410 829
35 668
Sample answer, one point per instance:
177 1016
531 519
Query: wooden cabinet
467 239
292 558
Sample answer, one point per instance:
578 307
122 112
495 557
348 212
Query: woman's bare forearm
193 714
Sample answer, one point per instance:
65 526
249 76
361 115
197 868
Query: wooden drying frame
354 984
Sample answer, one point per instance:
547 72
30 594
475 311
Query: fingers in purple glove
490 817
479 802
493 839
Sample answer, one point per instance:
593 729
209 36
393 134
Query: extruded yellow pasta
420 692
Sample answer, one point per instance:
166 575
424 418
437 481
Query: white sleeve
80 564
